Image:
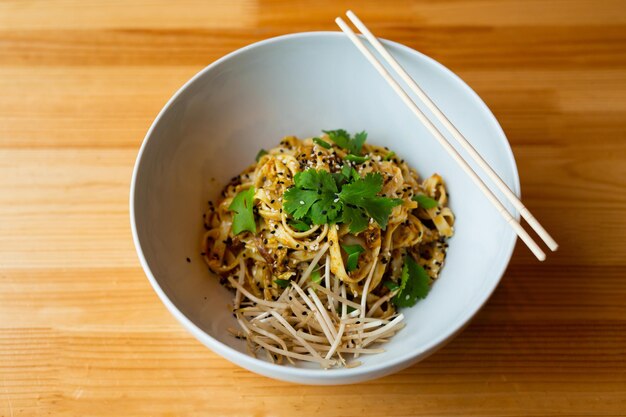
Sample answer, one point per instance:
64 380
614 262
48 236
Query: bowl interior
298 85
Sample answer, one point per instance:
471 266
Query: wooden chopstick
523 235
456 134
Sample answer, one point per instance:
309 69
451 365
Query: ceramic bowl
299 84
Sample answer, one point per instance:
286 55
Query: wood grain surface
82 332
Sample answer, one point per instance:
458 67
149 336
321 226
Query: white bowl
298 84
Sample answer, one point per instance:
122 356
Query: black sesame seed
188 260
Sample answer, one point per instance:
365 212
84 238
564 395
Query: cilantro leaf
340 137
379 209
346 171
316 277
353 251
356 218
321 143
345 175
242 205
343 140
282 283
312 179
260 154
325 211
312 197
298 202
360 188
299 225
361 194
414 284
424 201
357 143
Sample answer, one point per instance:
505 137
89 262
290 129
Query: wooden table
82 332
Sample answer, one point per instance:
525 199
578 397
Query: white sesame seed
301 202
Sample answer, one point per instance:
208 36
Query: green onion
357 159
260 154
321 143
353 252
425 202
316 277
282 283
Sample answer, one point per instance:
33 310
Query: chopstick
456 134
523 235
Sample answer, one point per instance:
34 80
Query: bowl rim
306 375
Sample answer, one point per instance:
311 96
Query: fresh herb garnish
242 205
390 155
299 225
312 197
362 201
424 201
316 277
282 283
346 171
316 198
319 197
322 143
353 251
343 140
414 284
260 154
356 158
